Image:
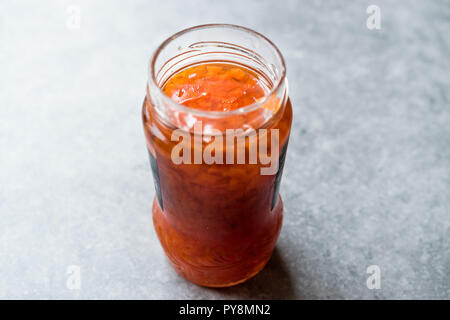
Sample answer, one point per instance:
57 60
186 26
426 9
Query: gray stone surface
367 177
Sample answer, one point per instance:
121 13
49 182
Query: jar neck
227 44
259 115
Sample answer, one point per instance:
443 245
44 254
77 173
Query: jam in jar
217 118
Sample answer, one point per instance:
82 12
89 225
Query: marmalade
217 223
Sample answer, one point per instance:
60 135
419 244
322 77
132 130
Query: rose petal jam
217 223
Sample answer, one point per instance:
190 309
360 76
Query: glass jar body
217 223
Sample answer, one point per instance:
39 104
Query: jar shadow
273 282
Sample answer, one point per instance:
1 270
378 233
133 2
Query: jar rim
241 110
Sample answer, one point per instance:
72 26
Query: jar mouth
216 114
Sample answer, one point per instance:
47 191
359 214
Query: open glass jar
217 119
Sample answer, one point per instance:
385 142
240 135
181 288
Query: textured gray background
367 177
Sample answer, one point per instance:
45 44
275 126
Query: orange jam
215 87
217 223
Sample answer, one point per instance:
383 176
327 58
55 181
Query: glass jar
217 221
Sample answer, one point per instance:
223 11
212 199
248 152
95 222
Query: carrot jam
217 223
215 87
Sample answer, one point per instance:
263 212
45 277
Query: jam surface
215 87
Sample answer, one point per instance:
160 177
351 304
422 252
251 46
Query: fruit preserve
217 119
